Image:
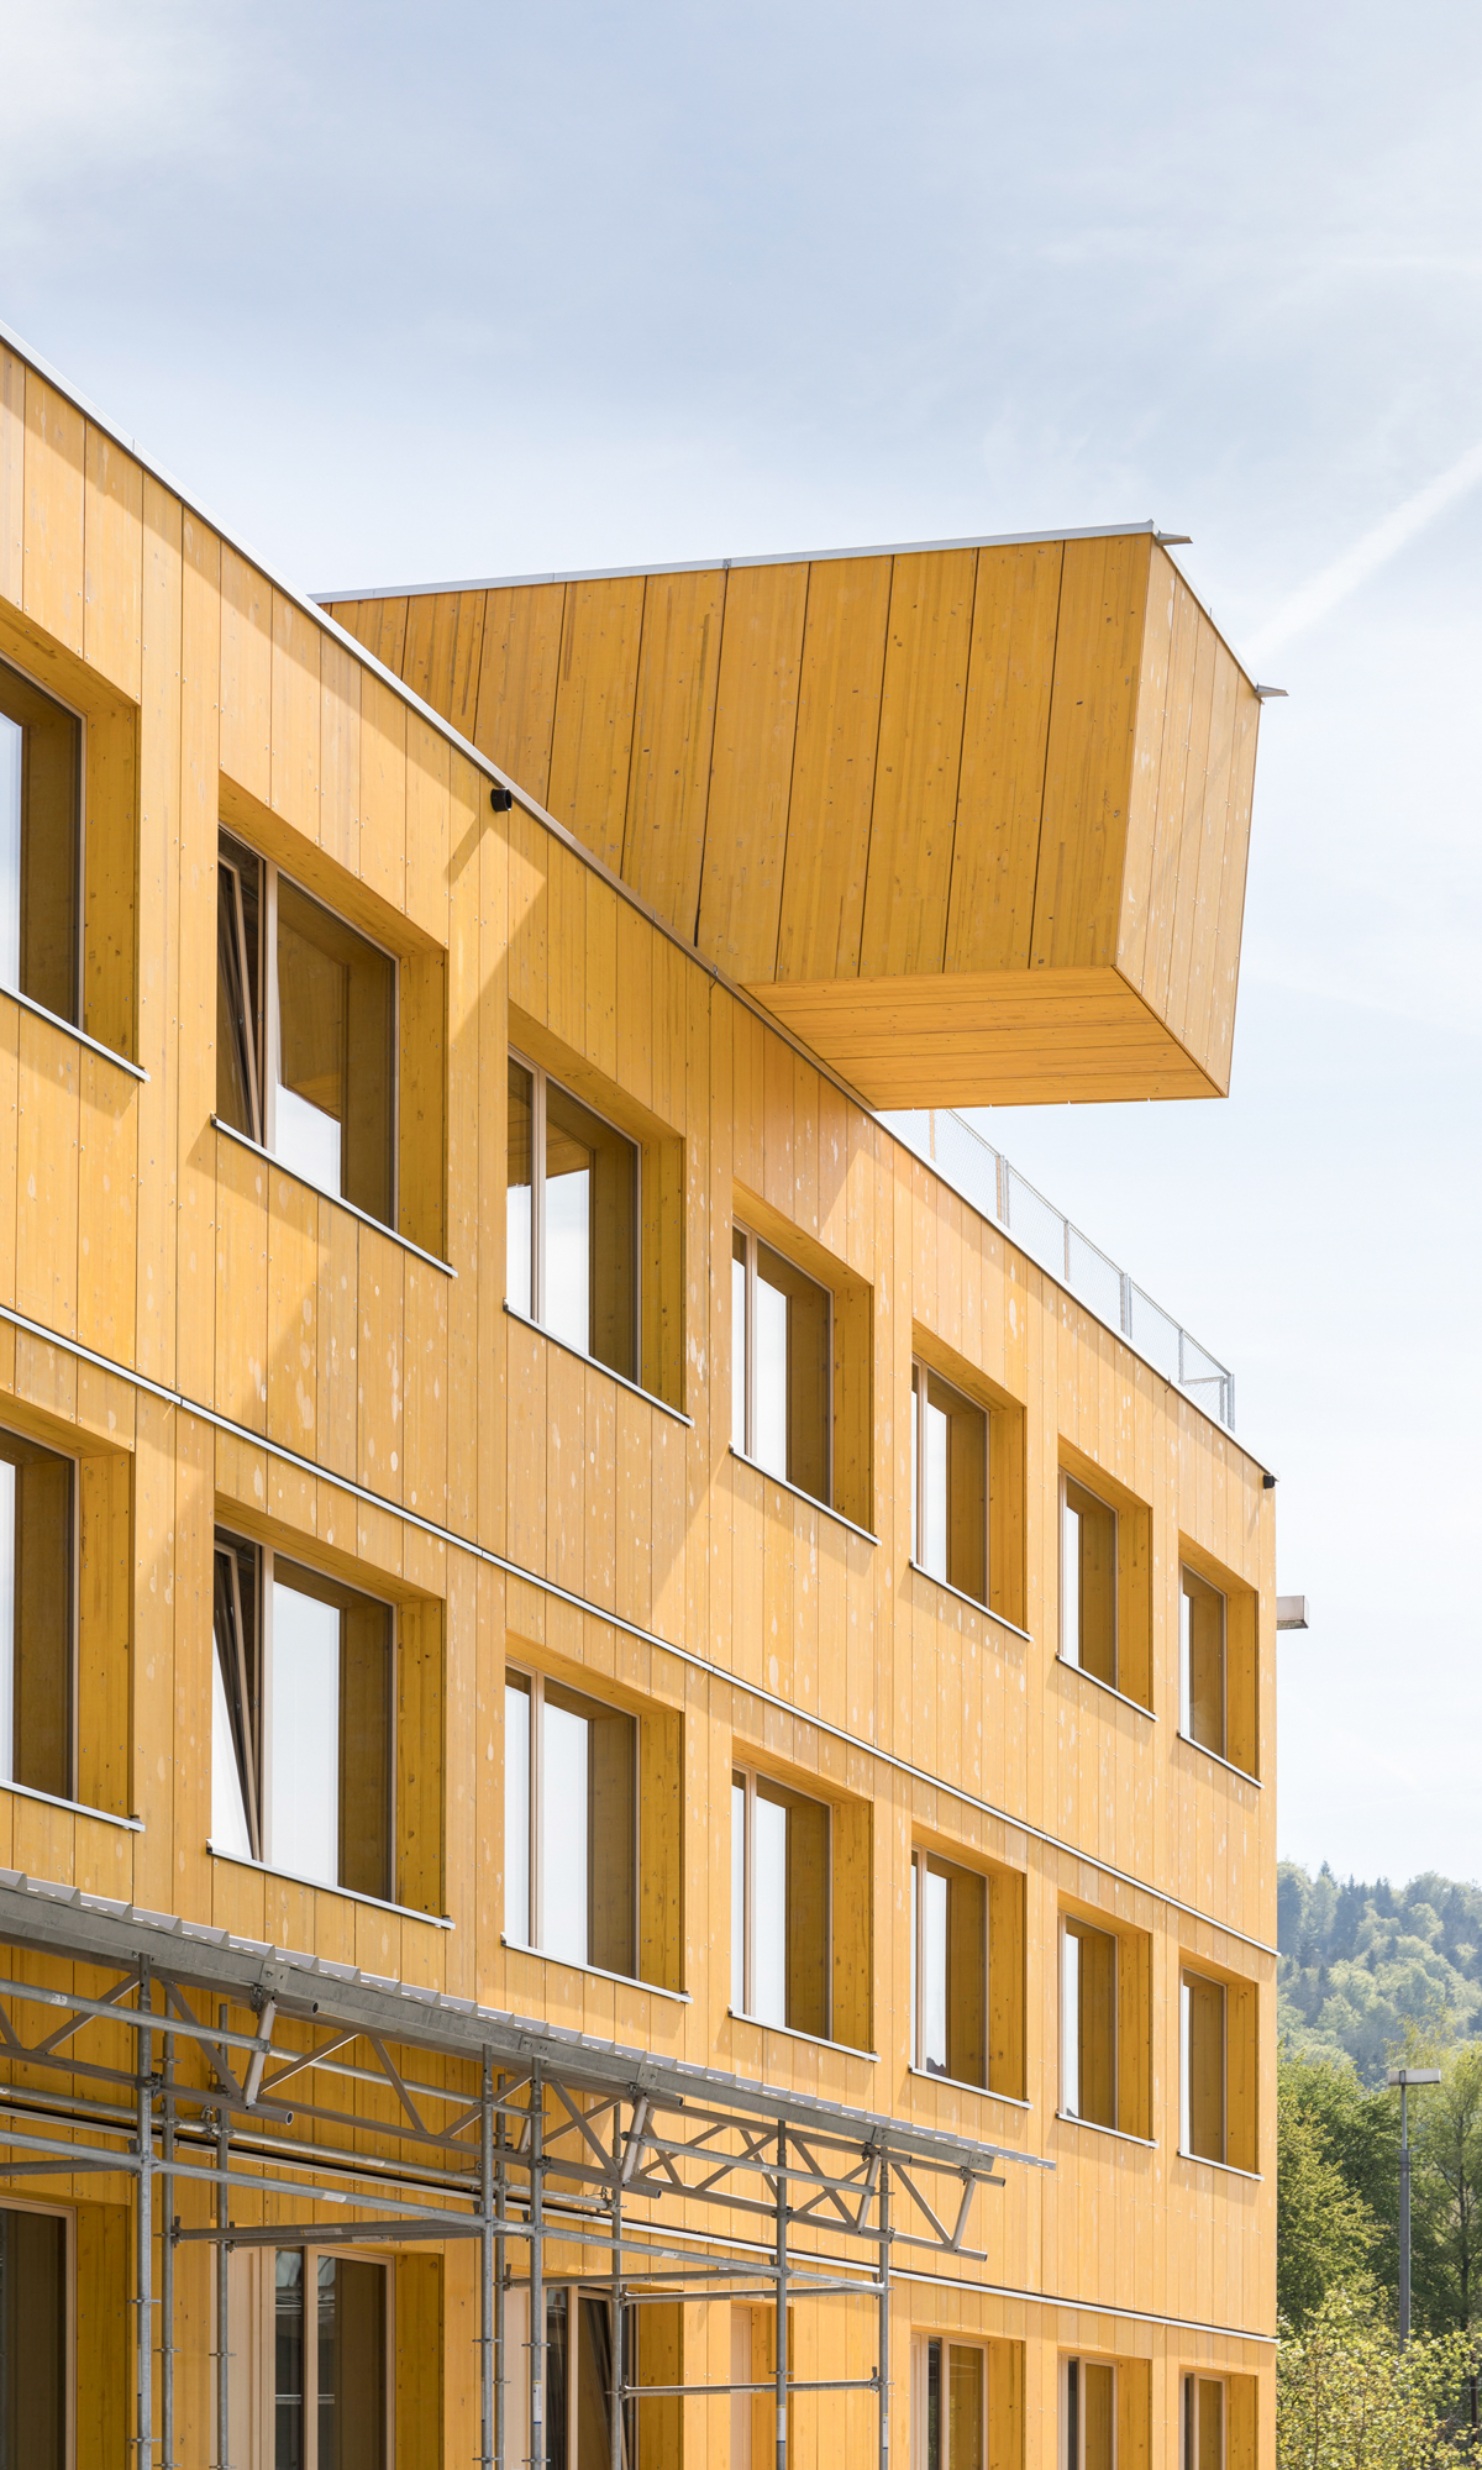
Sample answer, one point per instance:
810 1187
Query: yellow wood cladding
972 821
212 1338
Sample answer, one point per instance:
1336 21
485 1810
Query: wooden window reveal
1203 2423
949 1970
1088 2023
949 1484
38 1492
780 1905
302 1730
1088 2415
950 2405
572 1202
1203 2091
570 1825
40 847
1201 1663
305 1033
1088 1582
781 1367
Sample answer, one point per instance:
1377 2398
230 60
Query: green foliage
1446 2203
1362 1963
1327 2234
1348 2398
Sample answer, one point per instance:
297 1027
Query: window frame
745 1449
258 1650
264 1032
540 1078
72 1020
261 2258
1077 1662
748 1778
922 2346
1074 1928
1072 2444
536 1682
14 1783
922 1374
1187 1571
1187 1975
67 2216
925 1862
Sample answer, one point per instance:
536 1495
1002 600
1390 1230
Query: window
949 1970
1088 1582
37 1561
40 847
305 1033
33 2340
1088 2023
578 2380
301 1731
1202 2087
779 1905
309 2382
949 2405
1201 1662
1204 2423
1088 2415
949 1484
572 1221
570 1825
781 1367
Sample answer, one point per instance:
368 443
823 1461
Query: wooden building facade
637 1760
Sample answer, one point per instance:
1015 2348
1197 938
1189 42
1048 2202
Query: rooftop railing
983 1176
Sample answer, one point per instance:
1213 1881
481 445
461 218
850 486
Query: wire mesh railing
984 1176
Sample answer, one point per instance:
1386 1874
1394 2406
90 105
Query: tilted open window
1217 1668
310 2382
1088 2023
37 1617
780 1875
305 1033
572 1221
301 1738
781 1367
949 1484
1088 1582
40 847
949 1969
570 1825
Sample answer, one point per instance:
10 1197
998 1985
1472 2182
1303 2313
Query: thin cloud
1336 583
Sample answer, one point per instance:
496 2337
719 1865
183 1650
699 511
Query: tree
1347 2398
1326 2234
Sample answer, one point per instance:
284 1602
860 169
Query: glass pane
235 1700
1070 1582
1089 1581
567 1306
934 2407
304 1786
1096 2023
794 1347
336 1007
557 2382
33 2341
593 2377
517 1811
351 2364
934 1488
1203 2005
934 1984
229 1831
1098 2402
7 1621
1202 1662
769 1909
11 743
1210 2422
591 1233
738 1896
519 1192
769 1378
288 2360
1070 2024
39 1583
916 1382
564 1761
40 845
739 1336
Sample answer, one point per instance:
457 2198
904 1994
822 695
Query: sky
470 289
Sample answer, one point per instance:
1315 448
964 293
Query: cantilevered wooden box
971 820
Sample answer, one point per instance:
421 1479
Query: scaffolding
665 2180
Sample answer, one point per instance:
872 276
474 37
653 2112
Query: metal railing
983 1176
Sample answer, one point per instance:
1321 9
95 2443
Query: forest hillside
1363 1962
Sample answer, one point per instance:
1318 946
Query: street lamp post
1405 2077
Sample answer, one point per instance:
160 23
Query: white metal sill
972 1602
794 2032
77 1809
1094 2127
595 1364
326 1886
1206 2161
960 2084
596 1972
813 1502
1228 1764
69 1029
336 1200
1109 1687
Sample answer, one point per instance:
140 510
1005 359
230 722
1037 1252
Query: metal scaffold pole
536 2218
167 2263
883 2210
487 2437
618 2348
144 2232
223 2297
501 2278
780 2361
